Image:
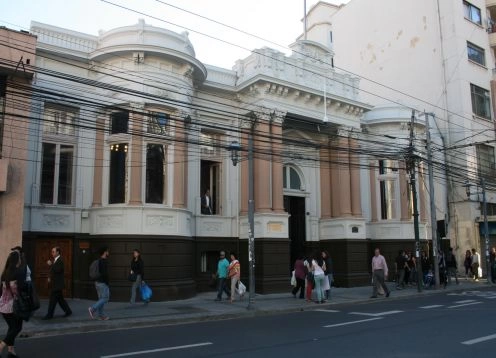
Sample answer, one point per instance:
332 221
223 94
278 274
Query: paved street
447 323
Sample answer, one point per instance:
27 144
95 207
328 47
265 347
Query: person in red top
299 268
234 273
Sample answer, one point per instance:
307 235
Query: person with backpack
451 266
99 273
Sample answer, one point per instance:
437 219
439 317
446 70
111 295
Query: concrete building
17 55
132 130
434 56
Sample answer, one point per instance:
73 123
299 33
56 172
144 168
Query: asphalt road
442 325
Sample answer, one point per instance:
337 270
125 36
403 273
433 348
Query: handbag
146 292
132 277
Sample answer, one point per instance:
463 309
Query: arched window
291 178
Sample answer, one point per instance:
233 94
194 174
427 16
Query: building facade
433 56
17 56
132 130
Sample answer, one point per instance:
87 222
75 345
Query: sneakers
91 311
104 318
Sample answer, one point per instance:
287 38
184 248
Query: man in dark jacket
102 287
56 280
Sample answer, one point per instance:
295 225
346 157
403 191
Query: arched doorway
294 205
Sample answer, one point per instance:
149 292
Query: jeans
136 285
103 292
319 282
330 278
15 326
222 287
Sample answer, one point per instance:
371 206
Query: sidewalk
203 308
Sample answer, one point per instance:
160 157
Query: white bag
241 288
293 279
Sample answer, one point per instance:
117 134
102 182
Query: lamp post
486 225
234 148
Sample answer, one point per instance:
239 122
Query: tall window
155 173
291 178
388 187
486 161
119 122
210 172
59 120
157 123
472 13
56 174
118 173
3 90
481 104
476 54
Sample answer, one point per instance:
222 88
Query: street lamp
234 148
486 226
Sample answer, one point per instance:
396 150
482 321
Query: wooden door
42 270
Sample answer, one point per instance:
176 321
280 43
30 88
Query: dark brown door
41 269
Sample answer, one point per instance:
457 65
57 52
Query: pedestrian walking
299 269
101 285
400 265
451 266
492 262
328 274
57 285
425 262
222 270
309 281
379 273
468 263
136 274
234 273
318 268
13 278
443 277
475 265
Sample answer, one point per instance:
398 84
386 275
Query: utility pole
432 199
251 213
486 230
411 163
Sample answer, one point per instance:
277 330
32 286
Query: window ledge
475 23
477 64
475 116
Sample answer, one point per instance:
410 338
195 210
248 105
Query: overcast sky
278 21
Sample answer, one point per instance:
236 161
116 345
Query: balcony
490 3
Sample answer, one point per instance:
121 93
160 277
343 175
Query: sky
278 21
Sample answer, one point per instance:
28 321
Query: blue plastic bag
146 292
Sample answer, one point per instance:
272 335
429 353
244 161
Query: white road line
464 301
431 306
465 304
328 311
380 314
352 322
158 350
478 340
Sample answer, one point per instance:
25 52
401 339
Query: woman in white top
318 267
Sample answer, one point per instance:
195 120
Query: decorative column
277 167
344 175
244 172
180 167
98 166
356 200
373 189
335 188
325 183
262 168
136 146
406 215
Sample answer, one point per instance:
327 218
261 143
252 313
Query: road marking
380 314
158 350
431 306
329 311
465 301
478 340
352 322
465 304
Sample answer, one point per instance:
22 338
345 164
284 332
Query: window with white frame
472 13
118 173
486 161
388 178
59 120
157 123
291 179
476 54
57 165
155 174
481 103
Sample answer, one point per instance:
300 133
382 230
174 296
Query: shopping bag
293 279
241 288
146 292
